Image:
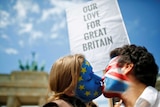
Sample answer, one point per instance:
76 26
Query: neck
131 95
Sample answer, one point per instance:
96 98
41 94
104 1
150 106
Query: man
140 71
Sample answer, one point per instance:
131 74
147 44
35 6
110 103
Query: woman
72 82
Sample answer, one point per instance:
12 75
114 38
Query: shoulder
151 95
51 104
74 101
58 103
62 103
157 103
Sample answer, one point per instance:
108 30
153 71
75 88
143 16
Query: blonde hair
64 75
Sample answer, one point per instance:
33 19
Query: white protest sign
95 28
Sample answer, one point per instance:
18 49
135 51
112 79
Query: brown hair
145 68
64 75
91 104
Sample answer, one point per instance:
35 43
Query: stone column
12 101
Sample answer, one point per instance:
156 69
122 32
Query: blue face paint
89 84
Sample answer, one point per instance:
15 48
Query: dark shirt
75 102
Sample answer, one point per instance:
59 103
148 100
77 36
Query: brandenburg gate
23 88
26 88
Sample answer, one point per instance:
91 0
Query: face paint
89 84
114 81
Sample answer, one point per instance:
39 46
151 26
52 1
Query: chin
111 95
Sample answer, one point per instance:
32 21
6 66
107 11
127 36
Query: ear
128 67
70 93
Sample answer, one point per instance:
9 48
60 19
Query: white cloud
11 51
32 34
62 24
35 8
54 36
60 3
4 36
4 19
20 8
56 28
24 6
35 35
52 12
64 4
25 28
57 10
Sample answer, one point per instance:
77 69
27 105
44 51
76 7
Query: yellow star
80 78
95 93
83 70
87 93
87 63
81 87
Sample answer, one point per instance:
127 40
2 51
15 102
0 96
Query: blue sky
40 26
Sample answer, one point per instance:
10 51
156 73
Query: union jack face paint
115 82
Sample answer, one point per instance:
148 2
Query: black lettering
102 43
89 45
91 16
108 40
86 37
94 34
89 7
93 24
84 47
97 43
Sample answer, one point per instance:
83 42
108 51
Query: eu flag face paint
89 84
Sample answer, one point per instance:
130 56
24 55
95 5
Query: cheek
123 70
